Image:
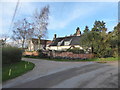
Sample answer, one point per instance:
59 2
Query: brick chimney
55 35
78 32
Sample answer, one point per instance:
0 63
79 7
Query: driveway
51 74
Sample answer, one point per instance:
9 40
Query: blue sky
64 17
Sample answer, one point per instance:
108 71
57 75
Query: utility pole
16 8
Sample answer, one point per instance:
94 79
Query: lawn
16 69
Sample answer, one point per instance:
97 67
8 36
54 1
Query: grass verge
16 69
70 60
86 60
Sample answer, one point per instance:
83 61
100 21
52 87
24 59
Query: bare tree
41 23
22 31
3 39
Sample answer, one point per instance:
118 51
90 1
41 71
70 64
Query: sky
64 17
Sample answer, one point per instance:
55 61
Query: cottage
64 43
33 44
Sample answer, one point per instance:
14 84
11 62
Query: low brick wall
34 53
72 55
62 54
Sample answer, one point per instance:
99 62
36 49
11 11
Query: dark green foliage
68 58
99 26
102 44
59 51
31 56
11 55
42 54
76 51
91 39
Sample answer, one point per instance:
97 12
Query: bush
59 51
11 55
76 51
108 52
42 55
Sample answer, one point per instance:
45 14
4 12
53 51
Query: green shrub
59 51
76 50
42 54
11 55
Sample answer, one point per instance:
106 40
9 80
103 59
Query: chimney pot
78 32
55 36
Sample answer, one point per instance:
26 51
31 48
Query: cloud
8 8
110 23
110 20
77 12
62 0
26 9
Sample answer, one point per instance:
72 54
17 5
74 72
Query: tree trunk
92 49
39 43
23 44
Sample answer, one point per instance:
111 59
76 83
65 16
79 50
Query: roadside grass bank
13 70
74 60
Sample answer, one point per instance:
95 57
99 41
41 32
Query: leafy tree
99 26
96 39
113 40
90 40
41 23
22 30
102 44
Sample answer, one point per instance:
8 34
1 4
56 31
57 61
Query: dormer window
59 43
66 43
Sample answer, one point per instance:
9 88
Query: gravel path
53 74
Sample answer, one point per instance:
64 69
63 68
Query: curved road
51 74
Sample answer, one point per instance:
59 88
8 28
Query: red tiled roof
42 41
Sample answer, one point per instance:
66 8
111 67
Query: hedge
76 51
11 55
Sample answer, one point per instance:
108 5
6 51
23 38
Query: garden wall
61 54
72 55
34 53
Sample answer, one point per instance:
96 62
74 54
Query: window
66 43
59 43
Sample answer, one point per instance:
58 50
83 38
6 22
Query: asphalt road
51 74
94 75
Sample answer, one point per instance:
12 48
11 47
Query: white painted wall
33 47
61 47
30 46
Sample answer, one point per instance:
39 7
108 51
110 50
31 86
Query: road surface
51 74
